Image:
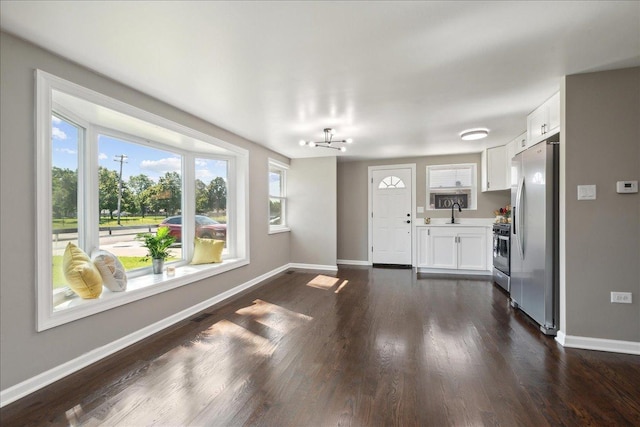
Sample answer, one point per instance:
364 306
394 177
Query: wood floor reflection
362 347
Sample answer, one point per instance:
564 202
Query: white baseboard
485 273
313 266
33 384
600 344
353 262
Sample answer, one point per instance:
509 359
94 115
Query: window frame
231 202
142 284
282 168
473 205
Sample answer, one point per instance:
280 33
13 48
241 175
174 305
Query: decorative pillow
207 251
83 277
111 269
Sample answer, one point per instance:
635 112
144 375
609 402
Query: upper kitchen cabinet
519 144
494 169
544 121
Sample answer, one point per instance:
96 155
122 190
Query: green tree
108 191
139 184
128 201
218 194
64 186
169 196
275 210
202 197
149 198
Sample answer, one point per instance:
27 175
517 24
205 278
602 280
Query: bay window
107 171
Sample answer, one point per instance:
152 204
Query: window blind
450 178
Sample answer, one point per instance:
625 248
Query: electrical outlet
621 297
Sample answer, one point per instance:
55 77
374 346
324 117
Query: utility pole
121 158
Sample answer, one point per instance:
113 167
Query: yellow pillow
207 251
83 277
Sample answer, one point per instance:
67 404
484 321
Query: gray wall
352 199
25 353
601 134
311 193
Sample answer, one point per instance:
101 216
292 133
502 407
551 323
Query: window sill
274 230
137 288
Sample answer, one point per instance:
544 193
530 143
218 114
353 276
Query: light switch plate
586 192
420 209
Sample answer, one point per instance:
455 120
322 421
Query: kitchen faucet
459 210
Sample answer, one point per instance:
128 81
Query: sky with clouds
140 159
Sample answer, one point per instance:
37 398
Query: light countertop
460 222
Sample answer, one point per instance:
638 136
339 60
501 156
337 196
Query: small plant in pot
158 246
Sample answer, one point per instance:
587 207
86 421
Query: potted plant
158 246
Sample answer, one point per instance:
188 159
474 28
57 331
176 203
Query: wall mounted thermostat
627 186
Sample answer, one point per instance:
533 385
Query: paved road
119 244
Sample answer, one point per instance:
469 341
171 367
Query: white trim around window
107 115
454 182
278 222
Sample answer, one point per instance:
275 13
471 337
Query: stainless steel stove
502 255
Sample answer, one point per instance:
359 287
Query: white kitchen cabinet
516 146
494 170
544 121
442 248
511 152
422 250
520 143
453 248
472 254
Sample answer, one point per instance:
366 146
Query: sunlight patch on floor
274 316
342 285
74 415
233 334
323 282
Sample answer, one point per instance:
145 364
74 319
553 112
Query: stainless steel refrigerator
534 234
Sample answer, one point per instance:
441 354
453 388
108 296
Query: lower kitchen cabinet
453 248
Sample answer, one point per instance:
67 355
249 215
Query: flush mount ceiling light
473 134
328 141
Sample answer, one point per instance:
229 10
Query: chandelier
328 141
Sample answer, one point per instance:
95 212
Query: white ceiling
400 78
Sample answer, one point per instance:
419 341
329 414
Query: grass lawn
129 263
106 222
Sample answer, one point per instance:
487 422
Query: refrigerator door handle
519 218
515 218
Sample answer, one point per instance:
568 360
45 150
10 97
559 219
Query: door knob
408 221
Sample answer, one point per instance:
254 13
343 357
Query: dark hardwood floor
363 347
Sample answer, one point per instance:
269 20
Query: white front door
391 216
